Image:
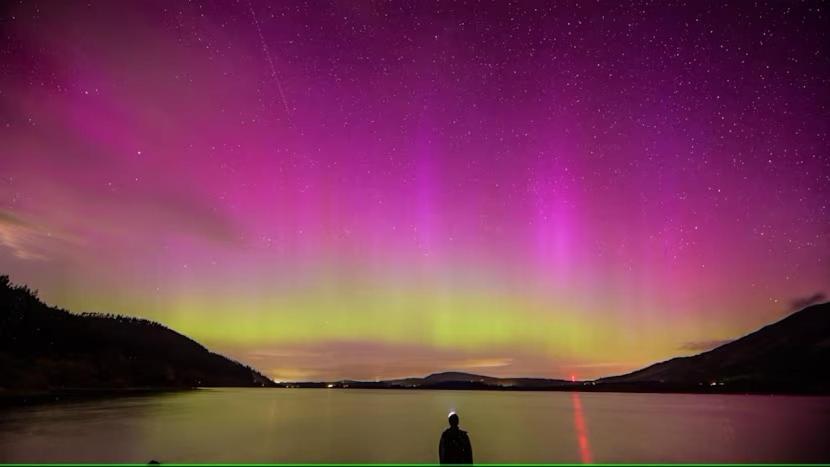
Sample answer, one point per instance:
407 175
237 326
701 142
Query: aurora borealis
382 189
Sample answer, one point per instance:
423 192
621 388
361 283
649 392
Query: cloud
702 346
804 302
27 240
16 235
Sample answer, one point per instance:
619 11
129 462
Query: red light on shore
573 378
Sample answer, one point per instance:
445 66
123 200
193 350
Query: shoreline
576 388
15 398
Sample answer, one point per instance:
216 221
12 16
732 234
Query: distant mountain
459 378
445 377
447 380
46 348
791 355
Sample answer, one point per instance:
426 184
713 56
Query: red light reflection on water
581 430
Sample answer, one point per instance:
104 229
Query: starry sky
367 189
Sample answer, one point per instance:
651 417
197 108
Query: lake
337 425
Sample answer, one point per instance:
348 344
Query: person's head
453 419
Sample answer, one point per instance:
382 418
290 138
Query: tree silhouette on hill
44 347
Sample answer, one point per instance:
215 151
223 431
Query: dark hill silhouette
444 378
47 348
791 355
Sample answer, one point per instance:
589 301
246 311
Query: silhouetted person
455 447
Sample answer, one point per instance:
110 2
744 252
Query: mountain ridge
788 353
791 355
48 348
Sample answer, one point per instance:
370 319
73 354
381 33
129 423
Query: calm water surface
316 425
